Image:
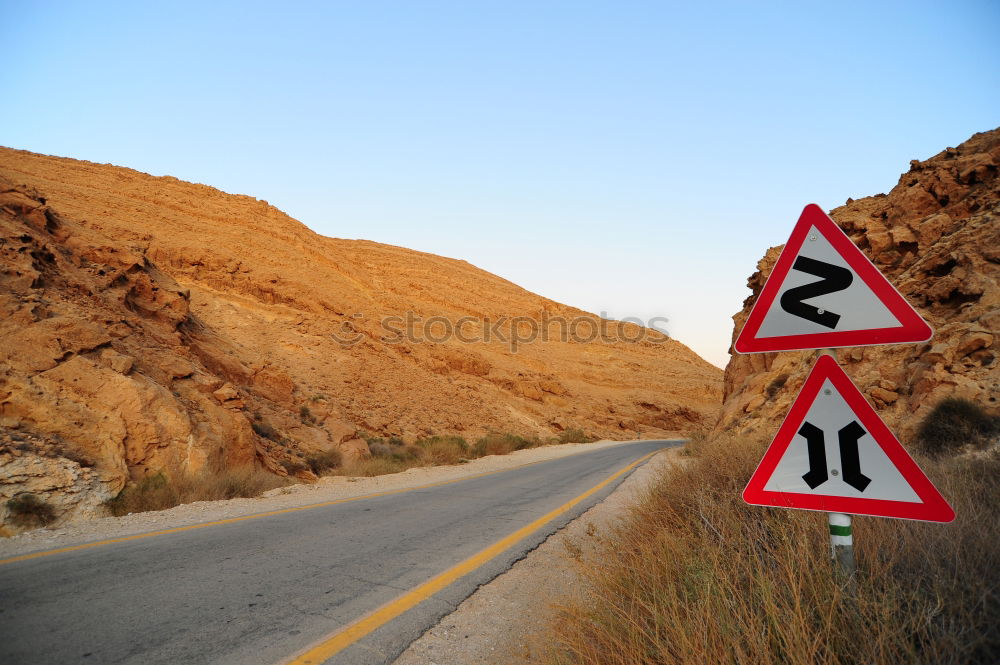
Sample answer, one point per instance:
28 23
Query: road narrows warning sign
825 293
834 454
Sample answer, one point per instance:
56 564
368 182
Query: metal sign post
842 549
841 534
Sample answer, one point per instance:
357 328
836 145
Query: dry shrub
954 424
266 431
321 463
238 483
443 449
694 575
495 443
293 466
28 510
777 384
376 466
159 492
574 435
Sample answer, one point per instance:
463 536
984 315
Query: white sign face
824 293
853 464
833 453
796 312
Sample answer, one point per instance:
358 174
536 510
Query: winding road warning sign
825 293
833 453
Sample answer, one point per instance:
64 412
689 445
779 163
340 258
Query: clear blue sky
629 157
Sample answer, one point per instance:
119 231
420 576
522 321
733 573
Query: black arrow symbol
849 458
815 441
834 278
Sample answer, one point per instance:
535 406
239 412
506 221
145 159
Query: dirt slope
152 324
936 236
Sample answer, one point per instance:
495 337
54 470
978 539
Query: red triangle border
912 329
934 507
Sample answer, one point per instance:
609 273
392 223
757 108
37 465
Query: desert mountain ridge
936 236
151 324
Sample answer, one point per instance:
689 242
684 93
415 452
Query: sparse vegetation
440 449
377 466
495 443
574 435
777 384
305 415
265 430
28 510
293 466
393 454
696 576
159 492
955 424
321 463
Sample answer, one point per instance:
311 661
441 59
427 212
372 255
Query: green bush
955 423
28 510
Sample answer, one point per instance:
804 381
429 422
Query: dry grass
955 424
696 576
376 466
323 463
495 443
443 450
28 510
574 435
159 492
394 455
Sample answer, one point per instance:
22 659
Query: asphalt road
259 591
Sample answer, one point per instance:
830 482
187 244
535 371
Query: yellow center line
244 518
345 637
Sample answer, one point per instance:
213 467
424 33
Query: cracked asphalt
258 591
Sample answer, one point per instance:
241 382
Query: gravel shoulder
330 488
504 622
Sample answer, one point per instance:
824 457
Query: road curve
260 591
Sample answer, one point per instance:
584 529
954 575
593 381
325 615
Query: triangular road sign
823 293
833 453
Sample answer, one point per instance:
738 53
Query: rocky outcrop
152 325
936 236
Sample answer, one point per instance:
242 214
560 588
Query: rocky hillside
936 236
151 324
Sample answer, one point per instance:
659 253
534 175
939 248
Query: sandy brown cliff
936 236
152 324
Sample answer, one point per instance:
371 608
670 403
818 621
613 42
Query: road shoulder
503 622
331 488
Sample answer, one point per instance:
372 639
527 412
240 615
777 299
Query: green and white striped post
842 549
841 535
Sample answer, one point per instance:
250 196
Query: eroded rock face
97 355
936 236
38 466
156 325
